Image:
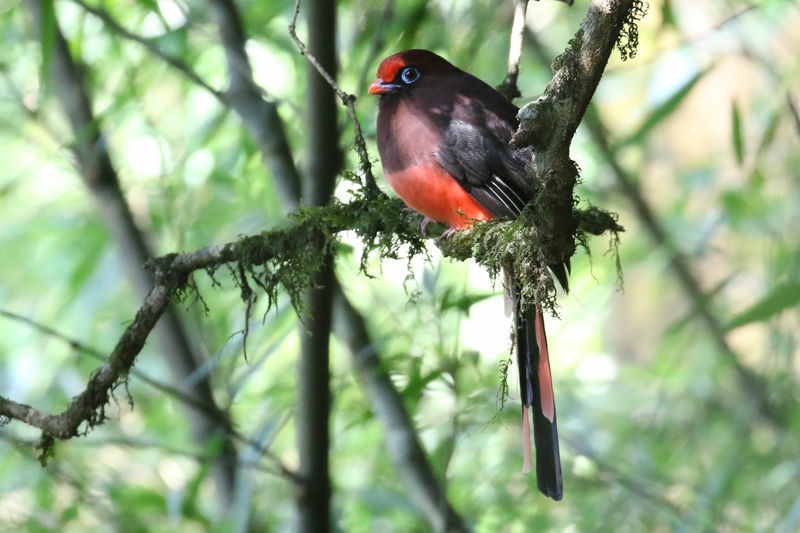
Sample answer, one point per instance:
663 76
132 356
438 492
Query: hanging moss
513 244
628 40
288 258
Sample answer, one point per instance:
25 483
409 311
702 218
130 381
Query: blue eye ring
409 75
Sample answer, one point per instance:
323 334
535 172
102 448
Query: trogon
443 139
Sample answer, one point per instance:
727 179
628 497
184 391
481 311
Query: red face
403 69
387 73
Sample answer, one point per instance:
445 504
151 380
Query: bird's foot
449 233
423 226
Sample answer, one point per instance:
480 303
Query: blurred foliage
658 432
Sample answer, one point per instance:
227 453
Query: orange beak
381 87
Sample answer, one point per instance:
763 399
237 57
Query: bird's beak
381 87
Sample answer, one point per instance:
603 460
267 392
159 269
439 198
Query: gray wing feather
488 169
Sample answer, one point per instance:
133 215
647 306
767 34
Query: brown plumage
443 141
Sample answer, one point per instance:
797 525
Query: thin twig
349 100
509 87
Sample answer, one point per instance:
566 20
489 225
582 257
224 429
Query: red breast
428 189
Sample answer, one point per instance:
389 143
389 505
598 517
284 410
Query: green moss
46 448
287 259
514 245
511 245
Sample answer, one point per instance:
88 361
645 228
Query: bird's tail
536 394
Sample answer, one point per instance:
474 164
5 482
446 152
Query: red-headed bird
443 139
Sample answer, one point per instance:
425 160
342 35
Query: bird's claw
424 225
449 233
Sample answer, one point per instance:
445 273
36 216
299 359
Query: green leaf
668 15
462 301
769 133
47 32
664 110
780 298
738 142
152 6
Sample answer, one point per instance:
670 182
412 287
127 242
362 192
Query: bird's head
402 71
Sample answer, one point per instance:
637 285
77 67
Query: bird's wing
486 167
479 158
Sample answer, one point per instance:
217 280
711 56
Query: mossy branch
548 125
288 258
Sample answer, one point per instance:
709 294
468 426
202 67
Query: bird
443 139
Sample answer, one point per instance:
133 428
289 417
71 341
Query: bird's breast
428 189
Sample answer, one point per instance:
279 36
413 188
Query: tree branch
551 121
89 406
283 255
164 388
548 125
678 264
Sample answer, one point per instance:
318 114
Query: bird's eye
409 75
